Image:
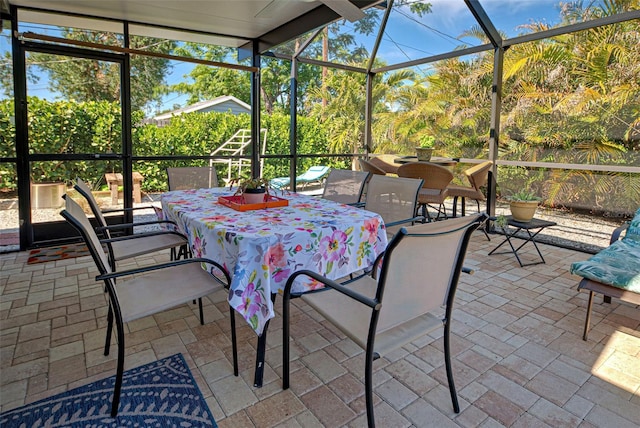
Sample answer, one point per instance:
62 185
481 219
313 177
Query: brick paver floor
518 355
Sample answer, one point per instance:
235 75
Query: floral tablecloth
261 248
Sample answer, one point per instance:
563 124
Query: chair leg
587 321
107 343
455 206
119 371
425 214
447 363
368 387
201 312
463 204
183 252
483 226
442 209
285 342
234 340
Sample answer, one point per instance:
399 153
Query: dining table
261 248
438 160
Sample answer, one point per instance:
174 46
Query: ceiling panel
241 19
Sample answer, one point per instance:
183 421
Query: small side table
528 227
115 179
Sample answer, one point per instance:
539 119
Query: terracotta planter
523 211
254 196
424 153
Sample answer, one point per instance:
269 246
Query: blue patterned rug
159 394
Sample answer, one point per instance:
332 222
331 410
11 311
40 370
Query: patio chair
193 177
369 167
385 163
395 199
149 290
477 176
345 186
412 296
434 190
314 174
129 246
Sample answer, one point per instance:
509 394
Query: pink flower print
198 245
275 257
332 248
216 218
281 275
251 301
371 227
314 284
298 248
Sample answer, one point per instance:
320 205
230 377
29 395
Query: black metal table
528 227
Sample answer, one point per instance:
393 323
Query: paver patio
518 356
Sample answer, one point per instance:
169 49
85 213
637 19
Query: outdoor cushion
279 182
617 265
313 174
633 231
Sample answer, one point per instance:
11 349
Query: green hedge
65 127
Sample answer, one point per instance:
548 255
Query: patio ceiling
403 38
232 23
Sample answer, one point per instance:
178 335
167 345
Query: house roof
202 105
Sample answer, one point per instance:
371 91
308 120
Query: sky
405 37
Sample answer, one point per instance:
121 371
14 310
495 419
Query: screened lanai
546 91
115 92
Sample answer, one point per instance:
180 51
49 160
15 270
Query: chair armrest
145 269
408 220
372 303
618 231
374 271
128 225
120 210
141 235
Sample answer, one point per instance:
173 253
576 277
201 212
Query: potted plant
523 205
252 190
47 184
425 149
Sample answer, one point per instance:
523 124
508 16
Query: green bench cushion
633 232
617 265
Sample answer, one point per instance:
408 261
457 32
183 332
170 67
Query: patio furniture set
304 249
